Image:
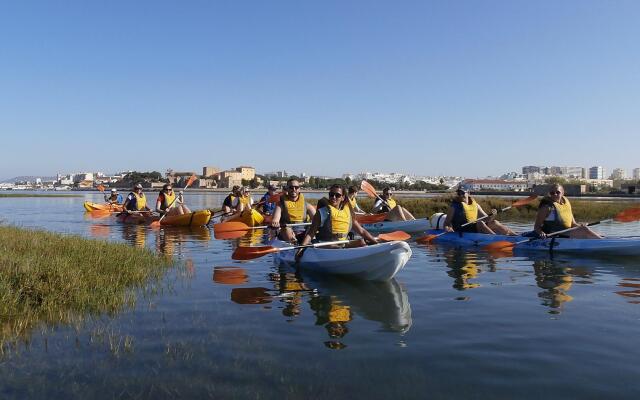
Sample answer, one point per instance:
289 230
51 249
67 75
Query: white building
636 173
475 185
619 174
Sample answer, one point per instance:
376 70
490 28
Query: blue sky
471 88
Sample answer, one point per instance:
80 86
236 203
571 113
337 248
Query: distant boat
62 188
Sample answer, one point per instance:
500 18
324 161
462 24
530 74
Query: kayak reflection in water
463 215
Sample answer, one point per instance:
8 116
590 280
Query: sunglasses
169 189
334 194
294 187
555 192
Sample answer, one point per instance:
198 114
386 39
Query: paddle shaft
573 228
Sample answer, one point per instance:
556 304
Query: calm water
452 324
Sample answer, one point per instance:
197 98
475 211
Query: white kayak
378 262
609 245
412 226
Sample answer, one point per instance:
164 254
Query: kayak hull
89 206
611 245
379 262
413 226
196 218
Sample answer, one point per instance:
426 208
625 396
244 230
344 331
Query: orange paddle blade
392 236
370 219
501 245
249 253
154 225
100 187
426 239
369 189
190 181
230 226
628 215
523 202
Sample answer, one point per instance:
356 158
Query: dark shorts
472 228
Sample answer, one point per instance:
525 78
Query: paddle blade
393 236
628 215
425 239
368 189
100 187
501 245
526 201
154 225
249 253
231 226
370 219
190 181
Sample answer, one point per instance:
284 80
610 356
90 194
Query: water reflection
333 300
631 289
174 240
134 234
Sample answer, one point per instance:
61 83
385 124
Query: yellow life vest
470 210
169 200
246 200
339 313
564 212
141 201
335 223
353 202
295 210
392 204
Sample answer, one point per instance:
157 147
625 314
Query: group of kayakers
295 220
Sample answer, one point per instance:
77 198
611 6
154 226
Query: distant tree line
134 177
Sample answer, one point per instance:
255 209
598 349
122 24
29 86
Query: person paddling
231 202
292 209
334 220
136 201
555 214
464 209
268 207
113 197
167 203
353 202
395 212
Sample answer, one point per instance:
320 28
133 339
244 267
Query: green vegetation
584 210
134 177
48 278
38 195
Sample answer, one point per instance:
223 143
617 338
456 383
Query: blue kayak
611 245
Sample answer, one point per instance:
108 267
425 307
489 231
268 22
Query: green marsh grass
49 279
583 209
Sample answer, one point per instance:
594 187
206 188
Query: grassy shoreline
48 278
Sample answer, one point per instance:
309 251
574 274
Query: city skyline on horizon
435 88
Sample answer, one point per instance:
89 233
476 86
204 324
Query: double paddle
156 224
237 229
628 215
428 238
249 253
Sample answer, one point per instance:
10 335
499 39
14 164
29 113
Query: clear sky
471 88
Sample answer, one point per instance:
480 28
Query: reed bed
47 278
583 209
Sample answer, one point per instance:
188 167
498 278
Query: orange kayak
101 206
197 218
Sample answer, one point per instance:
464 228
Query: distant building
247 173
618 174
230 178
209 171
596 172
476 185
572 172
636 173
530 169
